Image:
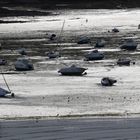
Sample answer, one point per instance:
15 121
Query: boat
100 43
84 40
56 54
94 55
53 54
4 93
23 64
115 30
52 37
73 71
106 81
129 44
123 61
22 51
3 62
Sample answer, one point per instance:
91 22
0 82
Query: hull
131 48
23 53
53 55
115 30
3 62
107 82
126 63
72 73
94 55
3 92
24 69
94 58
23 64
84 41
99 46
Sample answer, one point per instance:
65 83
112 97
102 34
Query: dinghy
23 64
106 81
73 71
94 55
3 62
123 61
100 43
5 93
129 45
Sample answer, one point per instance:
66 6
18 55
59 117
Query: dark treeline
5 5
73 3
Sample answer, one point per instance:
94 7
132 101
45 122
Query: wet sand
71 129
44 93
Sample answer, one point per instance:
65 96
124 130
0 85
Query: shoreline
69 117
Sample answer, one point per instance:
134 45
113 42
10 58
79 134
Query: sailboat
4 92
23 64
56 54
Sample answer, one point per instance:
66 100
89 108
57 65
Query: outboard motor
106 81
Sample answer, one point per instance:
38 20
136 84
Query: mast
61 31
5 81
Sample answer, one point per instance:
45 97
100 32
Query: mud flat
44 93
